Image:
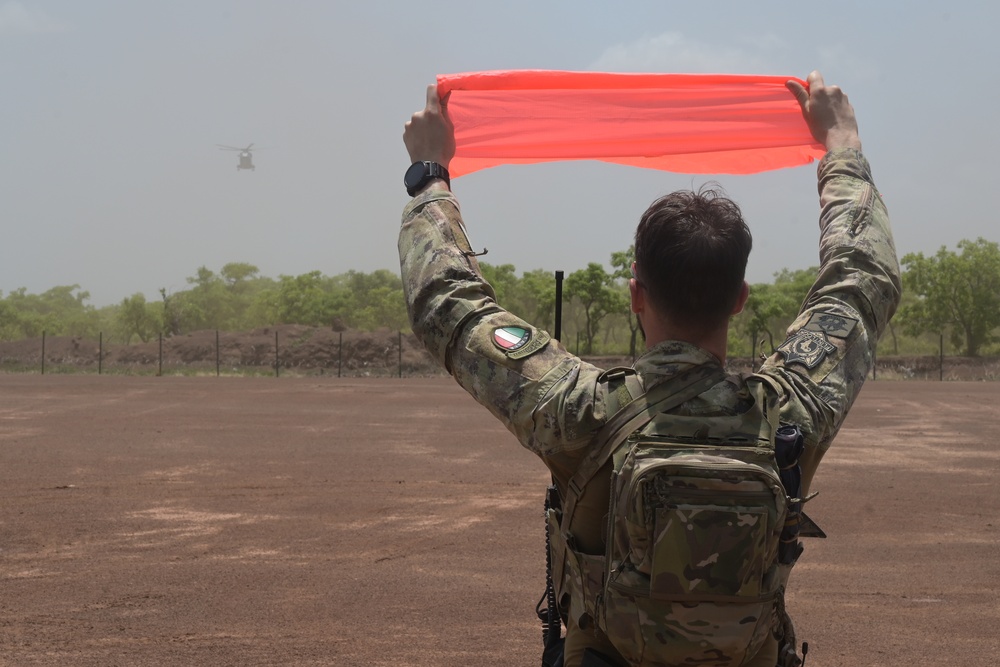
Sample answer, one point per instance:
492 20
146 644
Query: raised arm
829 349
510 366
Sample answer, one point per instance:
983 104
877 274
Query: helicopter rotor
248 149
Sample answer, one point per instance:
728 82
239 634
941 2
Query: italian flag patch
510 339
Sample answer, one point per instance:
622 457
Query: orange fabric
690 123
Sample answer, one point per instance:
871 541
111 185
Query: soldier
691 251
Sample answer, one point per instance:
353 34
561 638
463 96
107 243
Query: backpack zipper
709 494
644 592
683 468
758 473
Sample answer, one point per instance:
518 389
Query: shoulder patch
806 348
830 324
518 342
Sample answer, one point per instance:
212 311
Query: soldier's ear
742 299
637 296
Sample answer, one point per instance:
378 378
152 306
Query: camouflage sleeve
829 349
543 394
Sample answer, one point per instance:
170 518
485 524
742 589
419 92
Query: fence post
159 372
100 351
277 373
43 353
216 353
941 360
340 353
400 350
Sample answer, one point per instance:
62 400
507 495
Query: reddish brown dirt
325 521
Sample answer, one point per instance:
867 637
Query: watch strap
431 170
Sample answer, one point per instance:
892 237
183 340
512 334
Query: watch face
414 174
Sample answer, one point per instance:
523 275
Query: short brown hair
691 251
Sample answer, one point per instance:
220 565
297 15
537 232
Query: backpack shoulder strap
769 402
623 387
665 396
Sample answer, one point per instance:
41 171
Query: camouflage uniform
551 400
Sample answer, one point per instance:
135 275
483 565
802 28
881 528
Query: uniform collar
670 357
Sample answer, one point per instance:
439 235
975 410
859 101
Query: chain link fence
283 350
313 351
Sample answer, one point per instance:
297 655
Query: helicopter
246 159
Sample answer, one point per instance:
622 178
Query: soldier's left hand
429 134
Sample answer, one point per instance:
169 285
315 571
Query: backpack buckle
617 373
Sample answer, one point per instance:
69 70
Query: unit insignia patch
837 326
518 342
806 348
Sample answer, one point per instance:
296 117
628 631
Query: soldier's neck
714 341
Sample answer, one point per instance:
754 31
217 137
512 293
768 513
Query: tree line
953 294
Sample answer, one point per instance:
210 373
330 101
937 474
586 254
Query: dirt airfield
324 521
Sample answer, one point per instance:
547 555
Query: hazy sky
110 177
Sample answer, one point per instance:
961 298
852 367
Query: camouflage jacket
551 400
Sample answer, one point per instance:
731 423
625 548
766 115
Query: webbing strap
770 408
661 398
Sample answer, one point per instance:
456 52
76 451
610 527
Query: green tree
244 284
372 300
622 263
10 324
594 288
22 319
383 307
771 308
206 305
171 322
60 311
138 318
534 300
958 293
503 278
531 297
304 299
238 275
228 300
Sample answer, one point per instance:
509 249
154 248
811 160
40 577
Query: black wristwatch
421 173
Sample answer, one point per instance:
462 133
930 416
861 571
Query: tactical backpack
701 532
